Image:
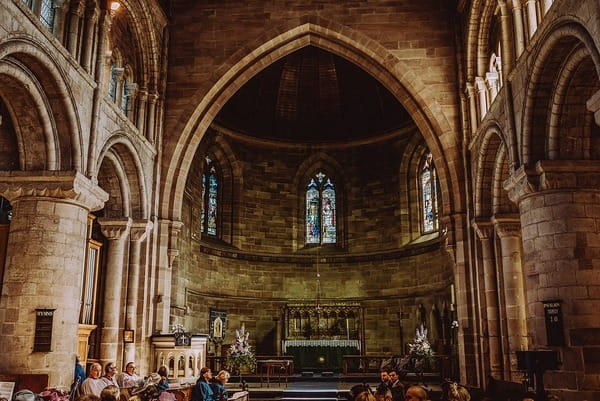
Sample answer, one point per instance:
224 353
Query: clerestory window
321 215
210 192
429 195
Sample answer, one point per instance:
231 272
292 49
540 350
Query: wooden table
280 368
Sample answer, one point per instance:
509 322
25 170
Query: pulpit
183 358
319 335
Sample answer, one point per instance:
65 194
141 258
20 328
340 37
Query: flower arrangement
420 349
240 354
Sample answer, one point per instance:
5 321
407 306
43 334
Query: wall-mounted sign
554 323
42 341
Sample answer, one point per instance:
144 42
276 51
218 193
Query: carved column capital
140 229
507 225
482 227
568 174
520 184
60 185
115 228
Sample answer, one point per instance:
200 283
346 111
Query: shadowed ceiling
312 95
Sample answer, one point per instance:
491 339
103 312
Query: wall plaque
554 323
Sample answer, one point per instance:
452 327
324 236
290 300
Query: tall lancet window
429 195
210 190
321 216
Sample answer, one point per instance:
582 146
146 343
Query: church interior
326 174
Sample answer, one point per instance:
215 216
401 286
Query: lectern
535 363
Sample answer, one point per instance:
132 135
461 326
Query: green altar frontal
320 355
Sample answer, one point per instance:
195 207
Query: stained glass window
47 14
112 83
321 218
210 191
429 200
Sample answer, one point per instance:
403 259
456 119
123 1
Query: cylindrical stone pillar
490 287
508 230
44 269
532 19
518 28
116 231
139 231
559 205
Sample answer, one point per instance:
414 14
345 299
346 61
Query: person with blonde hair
416 393
218 386
365 396
457 392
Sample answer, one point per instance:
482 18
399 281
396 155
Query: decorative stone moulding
60 185
551 175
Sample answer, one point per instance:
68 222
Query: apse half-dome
312 95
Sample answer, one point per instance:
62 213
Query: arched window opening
493 77
321 215
429 195
47 14
128 92
210 192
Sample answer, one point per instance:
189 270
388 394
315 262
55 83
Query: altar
318 335
320 355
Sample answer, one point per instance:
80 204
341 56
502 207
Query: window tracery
321 214
429 195
210 192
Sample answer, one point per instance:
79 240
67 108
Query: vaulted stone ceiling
313 96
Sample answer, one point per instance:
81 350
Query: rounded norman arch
31 80
548 71
119 172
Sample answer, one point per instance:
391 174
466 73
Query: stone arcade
433 162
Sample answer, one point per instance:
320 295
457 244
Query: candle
452 298
347 329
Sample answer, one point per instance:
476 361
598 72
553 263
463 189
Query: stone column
278 336
116 231
559 204
142 103
472 96
89 31
484 232
167 253
139 231
482 95
507 38
532 19
518 25
152 99
44 268
508 229
73 40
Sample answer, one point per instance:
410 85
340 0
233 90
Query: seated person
416 393
110 393
110 374
218 386
93 384
129 378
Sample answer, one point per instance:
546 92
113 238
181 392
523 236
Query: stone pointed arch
554 64
119 172
417 98
33 79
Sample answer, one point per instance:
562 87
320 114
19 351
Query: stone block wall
253 282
